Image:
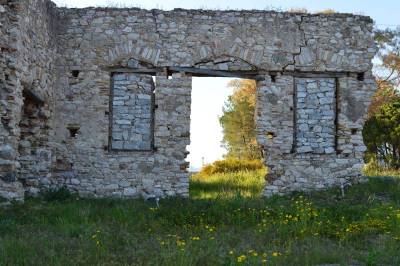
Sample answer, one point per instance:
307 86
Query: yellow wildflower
276 254
180 243
241 258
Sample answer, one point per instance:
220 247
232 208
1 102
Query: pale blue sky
209 94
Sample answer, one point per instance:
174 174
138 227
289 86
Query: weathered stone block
9 177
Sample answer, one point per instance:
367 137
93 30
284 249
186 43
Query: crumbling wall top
216 12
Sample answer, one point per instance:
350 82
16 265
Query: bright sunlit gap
208 98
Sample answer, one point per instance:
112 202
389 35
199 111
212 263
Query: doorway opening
225 159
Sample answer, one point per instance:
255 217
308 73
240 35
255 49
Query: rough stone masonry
98 99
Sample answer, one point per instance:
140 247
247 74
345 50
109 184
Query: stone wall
315 115
9 188
132 112
37 51
86 165
225 40
100 130
298 164
29 49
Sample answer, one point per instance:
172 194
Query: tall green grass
373 169
231 165
248 184
225 222
362 228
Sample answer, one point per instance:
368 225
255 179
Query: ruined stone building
79 105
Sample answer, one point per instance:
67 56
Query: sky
208 97
209 94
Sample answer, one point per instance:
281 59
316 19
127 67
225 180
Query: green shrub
57 194
2 199
231 165
381 134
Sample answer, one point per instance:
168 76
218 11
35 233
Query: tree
381 131
238 123
381 134
387 68
385 93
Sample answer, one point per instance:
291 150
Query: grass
363 228
382 172
247 184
